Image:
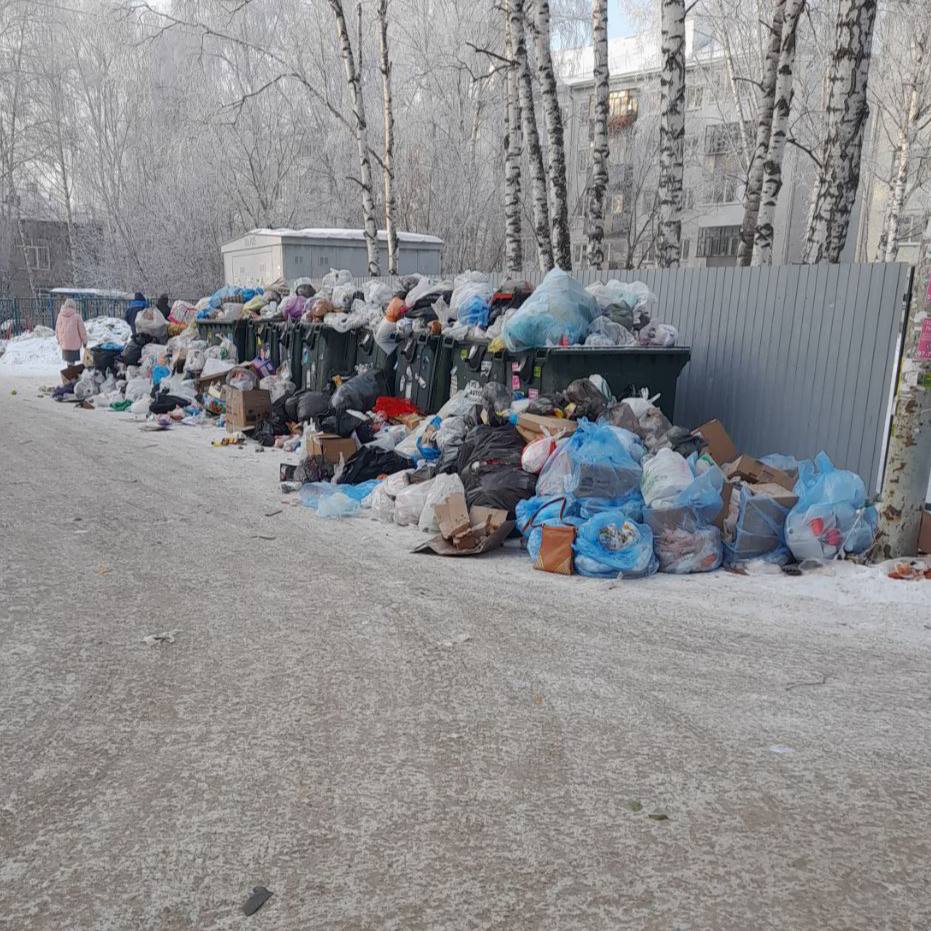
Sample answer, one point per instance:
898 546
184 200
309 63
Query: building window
622 109
649 200
693 96
686 244
724 188
911 228
722 138
617 204
717 241
37 256
324 260
689 199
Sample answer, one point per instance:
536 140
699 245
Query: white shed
263 255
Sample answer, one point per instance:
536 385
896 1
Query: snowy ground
36 355
395 740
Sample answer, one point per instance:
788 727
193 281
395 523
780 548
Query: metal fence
791 358
19 315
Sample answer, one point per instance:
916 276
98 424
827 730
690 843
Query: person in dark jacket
164 305
133 307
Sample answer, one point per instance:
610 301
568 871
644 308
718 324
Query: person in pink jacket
70 332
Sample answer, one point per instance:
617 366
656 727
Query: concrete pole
908 461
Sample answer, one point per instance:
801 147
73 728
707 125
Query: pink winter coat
69 329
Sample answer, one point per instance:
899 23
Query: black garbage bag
343 425
268 428
449 460
305 290
132 353
588 400
369 462
360 392
490 446
501 488
165 403
542 407
307 405
105 359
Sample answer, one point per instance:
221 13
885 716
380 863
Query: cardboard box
470 532
721 447
244 409
924 534
71 372
411 421
533 426
757 473
330 446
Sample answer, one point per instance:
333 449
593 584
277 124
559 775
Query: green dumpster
425 371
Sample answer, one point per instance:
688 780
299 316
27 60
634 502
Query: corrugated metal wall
791 358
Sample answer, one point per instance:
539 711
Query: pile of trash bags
599 486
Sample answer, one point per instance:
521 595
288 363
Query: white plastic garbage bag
377 292
409 503
665 474
441 488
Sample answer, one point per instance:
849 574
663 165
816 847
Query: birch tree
600 149
514 247
353 78
901 98
846 114
772 170
558 186
388 158
764 125
672 132
541 214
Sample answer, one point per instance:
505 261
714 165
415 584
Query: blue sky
619 23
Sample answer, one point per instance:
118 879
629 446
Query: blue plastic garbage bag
684 537
474 312
536 511
760 532
831 517
611 546
631 504
313 494
559 307
222 295
604 461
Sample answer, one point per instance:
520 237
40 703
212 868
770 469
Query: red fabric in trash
394 407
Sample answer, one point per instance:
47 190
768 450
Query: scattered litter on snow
781 748
260 895
166 636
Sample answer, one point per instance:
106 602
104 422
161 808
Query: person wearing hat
164 305
70 332
133 307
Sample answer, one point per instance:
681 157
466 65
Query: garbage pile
591 484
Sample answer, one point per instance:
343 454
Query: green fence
20 315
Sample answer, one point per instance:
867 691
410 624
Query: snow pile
101 329
32 354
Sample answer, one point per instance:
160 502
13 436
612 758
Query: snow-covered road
389 740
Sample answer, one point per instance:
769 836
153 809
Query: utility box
264 255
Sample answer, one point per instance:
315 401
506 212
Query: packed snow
37 353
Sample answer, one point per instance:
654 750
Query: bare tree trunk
772 169
541 213
513 235
903 151
361 133
388 167
558 188
671 132
847 111
600 150
908 459
764 125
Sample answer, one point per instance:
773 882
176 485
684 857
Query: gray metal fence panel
791 358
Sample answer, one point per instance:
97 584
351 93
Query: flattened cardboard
720 446
71 373
452 515
532 426
489 529
758 473
924 534
330 447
